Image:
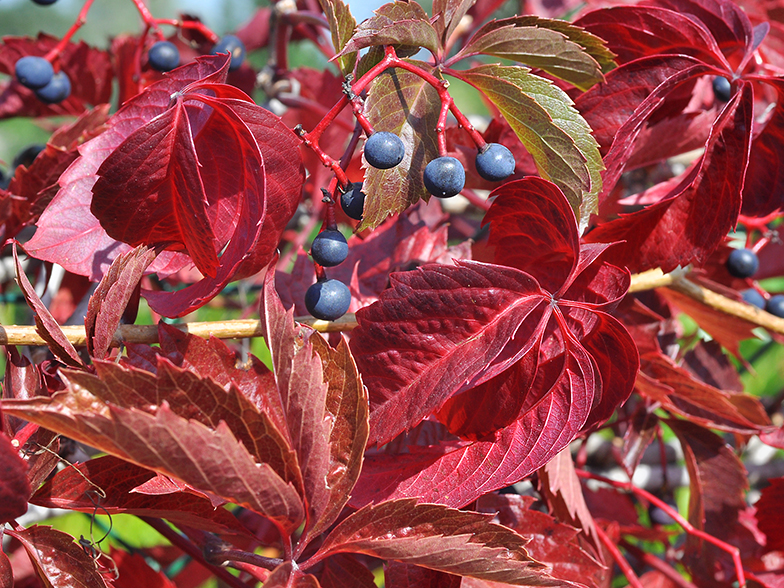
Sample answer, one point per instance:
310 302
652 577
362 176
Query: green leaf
555 46
341 24
396 23
558 138
402 103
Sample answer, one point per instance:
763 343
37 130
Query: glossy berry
328 300
44 2
722 89
329 248
56 90
164 56
234 47
775 305
444 177
27 156
33 72
353 201
742 263
495 162
751 296
384 150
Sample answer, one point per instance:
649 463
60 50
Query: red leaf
717 487
400 575
525 215
561 489
107 304
770 514
165 442
764 185
149 190
550 542
438 538
14 487
70 488
45 324
715 184
134 572
344 570
679 392
6 571
57 560
632 32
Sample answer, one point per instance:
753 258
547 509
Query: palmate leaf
542 116
713 184
438 538
554 46
239 197
555 363
404 104
178 424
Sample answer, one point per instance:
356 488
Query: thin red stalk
658 564
259 574
326 160
189 24
446 102
475 199
627 570
80 20
306 17
192 550
758 245
282 37
733 551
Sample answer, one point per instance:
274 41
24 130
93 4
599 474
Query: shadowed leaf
45 325
401 103
447 15
14 487
58 561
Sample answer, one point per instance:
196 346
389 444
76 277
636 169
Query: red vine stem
192 550
80 20
733 551
188 24
658 564
627 570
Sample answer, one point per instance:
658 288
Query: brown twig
240 329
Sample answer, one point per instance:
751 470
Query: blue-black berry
57 90
44 2
27 156
775 305
329 248
495 162
722 89
328 300
742 263
33 72
4 180
444 177
384 150
353 201
233 46
164 56
751 296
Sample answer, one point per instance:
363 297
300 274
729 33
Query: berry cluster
744 263
37 74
